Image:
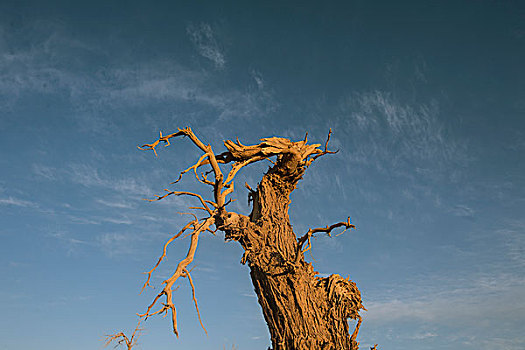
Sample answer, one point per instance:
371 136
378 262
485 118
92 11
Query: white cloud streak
203 37
514 241
46 68
389 134
118 221
39 67
115 204
11 201
501 297
45 172
91 177
116 243
462 210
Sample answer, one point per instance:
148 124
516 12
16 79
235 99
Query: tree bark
303 311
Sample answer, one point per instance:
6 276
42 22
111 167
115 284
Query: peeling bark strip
303 311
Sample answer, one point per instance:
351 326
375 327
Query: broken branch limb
328 229
181 193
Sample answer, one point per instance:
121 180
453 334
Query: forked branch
121 338
328 230
180 271
322 153
164 250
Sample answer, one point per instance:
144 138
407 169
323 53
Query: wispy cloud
167 81
499 343
118 221
389 133
513 235
421 336
62 235
116 204
43 171
447 305
17 202
259 80
203 37
39 67
91 177
114 244
462 210
71 243
46 68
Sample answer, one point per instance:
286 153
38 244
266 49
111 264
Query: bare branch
187 274
165 139
181 193
208 151
181 132
328 229
194 167
180 271
121 338
164 250
322 153
238 165
356 329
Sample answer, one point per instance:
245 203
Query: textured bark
302 310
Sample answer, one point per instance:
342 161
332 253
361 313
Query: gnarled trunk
302 310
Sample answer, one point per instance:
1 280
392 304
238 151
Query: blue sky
426 103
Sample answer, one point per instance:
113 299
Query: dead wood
302 310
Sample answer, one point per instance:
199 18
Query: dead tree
302 310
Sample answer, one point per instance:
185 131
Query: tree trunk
303 311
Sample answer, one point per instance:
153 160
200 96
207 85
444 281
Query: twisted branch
328 230
164 250
181 270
